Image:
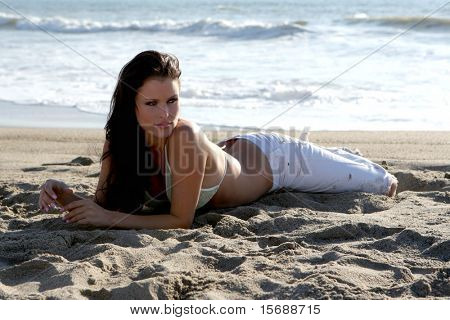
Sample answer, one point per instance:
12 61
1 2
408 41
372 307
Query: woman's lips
164 124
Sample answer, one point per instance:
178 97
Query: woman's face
157 108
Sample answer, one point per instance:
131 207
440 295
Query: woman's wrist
116 217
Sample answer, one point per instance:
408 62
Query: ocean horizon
327 65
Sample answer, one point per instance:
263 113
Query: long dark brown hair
131 161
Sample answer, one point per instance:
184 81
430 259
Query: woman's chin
161 131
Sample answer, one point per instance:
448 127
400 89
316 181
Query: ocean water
330 65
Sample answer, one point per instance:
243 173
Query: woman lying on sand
152 156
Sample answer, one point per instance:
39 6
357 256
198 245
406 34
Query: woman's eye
153 104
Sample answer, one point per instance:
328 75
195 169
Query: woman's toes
393 189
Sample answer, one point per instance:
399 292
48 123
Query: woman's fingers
50 192
75 204
43 197
73 214
46 199
77 218
48 195
47 204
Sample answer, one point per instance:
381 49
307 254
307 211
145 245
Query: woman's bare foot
393 189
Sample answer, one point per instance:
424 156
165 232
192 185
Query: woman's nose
164 110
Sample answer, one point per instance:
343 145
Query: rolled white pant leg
357 158
318 169
304 166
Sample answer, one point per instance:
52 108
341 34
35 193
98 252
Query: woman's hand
88 212
49 191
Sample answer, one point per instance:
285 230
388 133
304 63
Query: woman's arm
88 212
187 157
187 160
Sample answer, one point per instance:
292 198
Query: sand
283 246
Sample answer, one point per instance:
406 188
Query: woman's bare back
248 176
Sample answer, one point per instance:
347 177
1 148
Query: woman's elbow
181 221
184 225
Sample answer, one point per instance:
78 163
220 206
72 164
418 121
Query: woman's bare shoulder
185 123
190 132
186 148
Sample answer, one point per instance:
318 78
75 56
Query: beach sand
286 245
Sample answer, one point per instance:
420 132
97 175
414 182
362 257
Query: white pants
303 166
